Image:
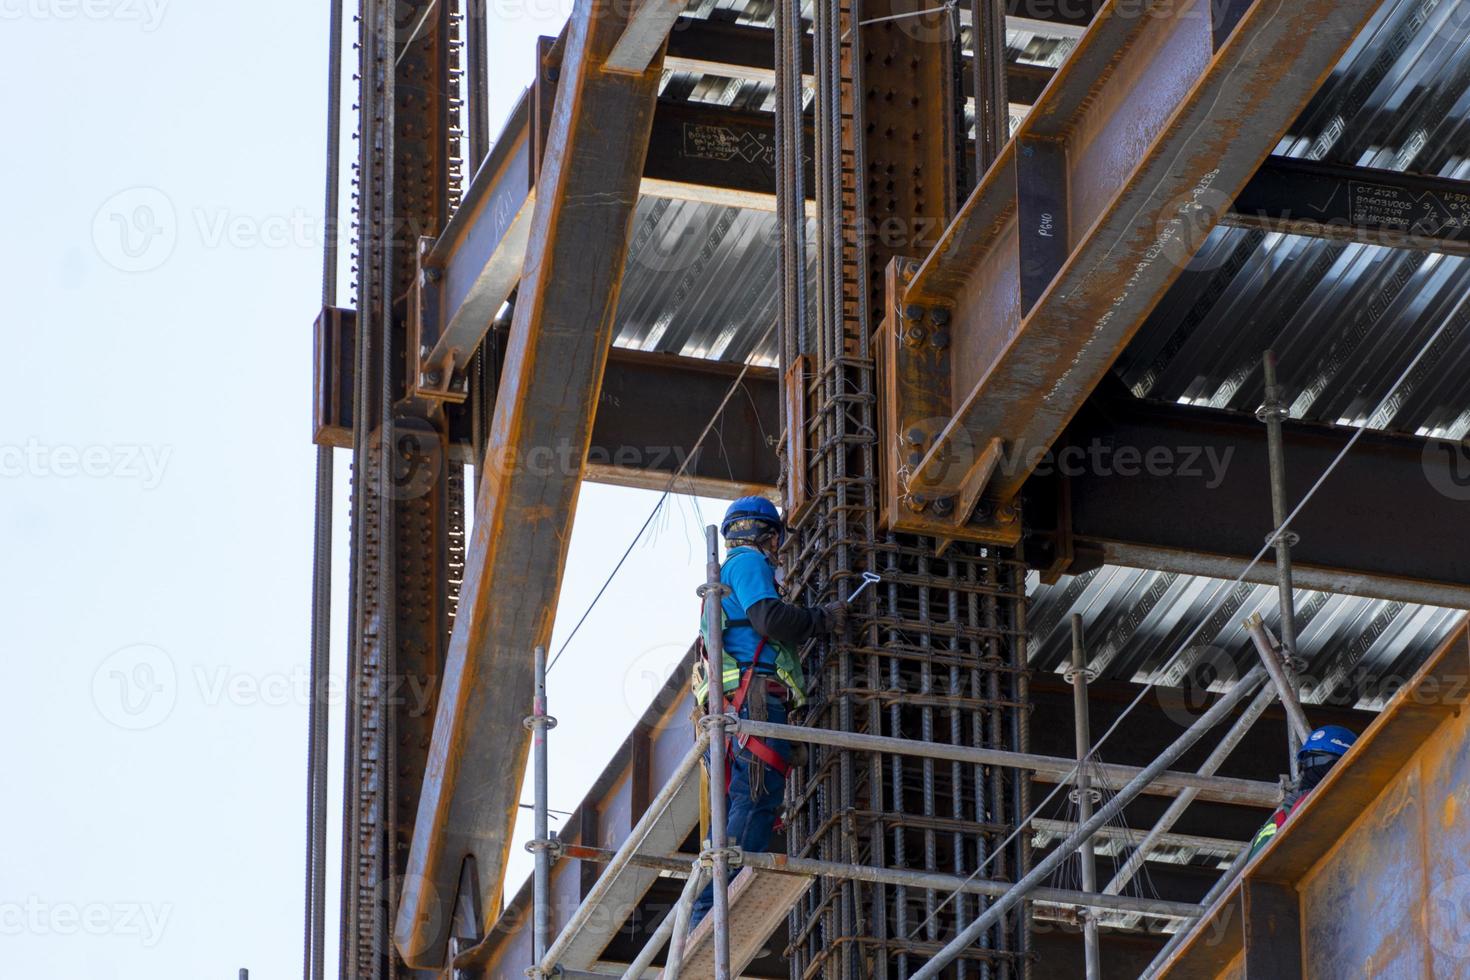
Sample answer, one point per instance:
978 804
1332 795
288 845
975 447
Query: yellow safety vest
788 667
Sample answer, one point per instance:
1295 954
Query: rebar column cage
934 652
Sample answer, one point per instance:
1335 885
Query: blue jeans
749 819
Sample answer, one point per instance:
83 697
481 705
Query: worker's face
1314 768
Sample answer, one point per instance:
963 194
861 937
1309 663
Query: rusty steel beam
1135 151
1385 821
1139 474
729 50
1356 204
587 189
652 410
709 154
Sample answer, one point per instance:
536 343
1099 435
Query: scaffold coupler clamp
1093 794
551 845
734 855
1290 537
1070 674
718 588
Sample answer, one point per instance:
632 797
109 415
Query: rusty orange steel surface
1144 137
1375 865
586 191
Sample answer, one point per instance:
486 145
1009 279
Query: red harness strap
757 746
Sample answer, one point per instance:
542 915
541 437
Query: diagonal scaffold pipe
1043 870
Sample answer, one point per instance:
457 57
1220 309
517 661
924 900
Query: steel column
557 349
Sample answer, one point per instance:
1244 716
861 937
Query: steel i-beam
1136 150
586 192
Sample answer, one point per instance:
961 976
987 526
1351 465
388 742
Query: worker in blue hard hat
761 675
1318 754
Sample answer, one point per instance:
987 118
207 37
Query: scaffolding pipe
713 594
1296 719
677 865
676 923
1079 675
1208 902
1273 410
622 857
1159 833
1224 789
539 722
1227 846
1048 865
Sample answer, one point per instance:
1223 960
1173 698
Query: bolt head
913 312
915 436
944 506
939 315
940 339
914 337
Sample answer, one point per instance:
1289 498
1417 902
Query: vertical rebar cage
935 652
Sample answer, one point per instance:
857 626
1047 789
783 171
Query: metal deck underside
1344 318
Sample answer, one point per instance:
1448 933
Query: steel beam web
937 650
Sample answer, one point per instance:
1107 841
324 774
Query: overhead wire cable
1066 780
668 489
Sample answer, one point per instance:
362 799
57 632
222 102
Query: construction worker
1318 754
761 674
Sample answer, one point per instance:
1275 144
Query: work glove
835 614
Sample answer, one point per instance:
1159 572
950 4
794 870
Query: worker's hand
835 612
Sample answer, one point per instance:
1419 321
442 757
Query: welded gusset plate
334 337
916 351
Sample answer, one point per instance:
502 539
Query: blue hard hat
1332 739
752 517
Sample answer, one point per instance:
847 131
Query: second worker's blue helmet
751 518
1332 739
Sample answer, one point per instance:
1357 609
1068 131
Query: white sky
156 478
